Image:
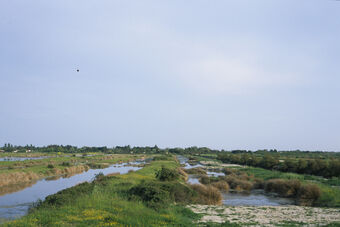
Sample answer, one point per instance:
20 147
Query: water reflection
16 204
254 198
14 159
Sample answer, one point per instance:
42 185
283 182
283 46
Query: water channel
252 198
16 204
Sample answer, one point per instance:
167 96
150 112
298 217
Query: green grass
40 166
105 203
330 195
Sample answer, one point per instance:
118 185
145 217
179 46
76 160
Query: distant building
1 151
16 151
28 151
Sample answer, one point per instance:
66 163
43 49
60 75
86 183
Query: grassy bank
116 200
23 172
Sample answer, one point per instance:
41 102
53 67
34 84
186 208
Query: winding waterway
252 198
16 204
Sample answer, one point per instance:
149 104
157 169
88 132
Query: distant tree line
321 166
318 163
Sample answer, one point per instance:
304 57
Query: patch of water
14 159
254 198
215 174
192 179
16 204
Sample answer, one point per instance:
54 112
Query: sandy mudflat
268 215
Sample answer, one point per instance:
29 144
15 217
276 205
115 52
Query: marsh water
14 159
16 204
252 198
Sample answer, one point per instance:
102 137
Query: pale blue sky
245 74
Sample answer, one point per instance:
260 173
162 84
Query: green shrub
68 195
50 166
166 174
150 194
66 164
197 170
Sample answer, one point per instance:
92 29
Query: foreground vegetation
151 196
157 194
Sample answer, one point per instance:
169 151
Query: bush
166 174
66 164
99 177
228 171
208 195
151 194
198 171
69 195
286 188
50 166
221 185
237 184
308 194
204 179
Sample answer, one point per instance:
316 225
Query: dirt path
268 215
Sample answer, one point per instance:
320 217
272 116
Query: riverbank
14 173
108 201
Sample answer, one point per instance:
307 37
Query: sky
237 74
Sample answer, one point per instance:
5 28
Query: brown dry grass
208 195
182 174
17 177
221 185
113 174
238 184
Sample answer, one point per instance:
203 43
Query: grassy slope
106 205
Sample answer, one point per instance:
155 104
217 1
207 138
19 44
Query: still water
253 198
16 204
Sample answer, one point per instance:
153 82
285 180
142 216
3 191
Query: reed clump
221 185
197 171
17 177
207 194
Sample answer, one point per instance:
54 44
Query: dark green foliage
167 174
66 164
50 166
163 158
307 163
151 194
68 195
157 194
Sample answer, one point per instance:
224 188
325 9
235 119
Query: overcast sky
241 74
